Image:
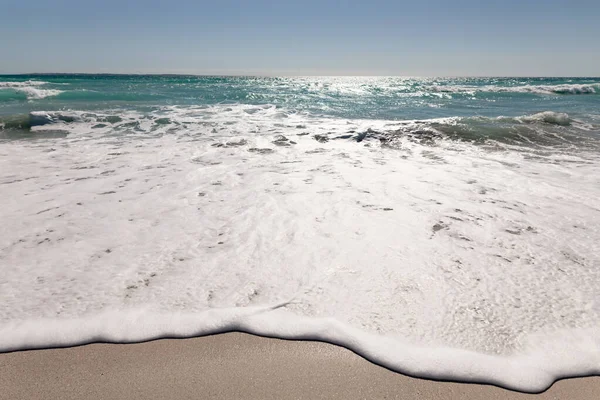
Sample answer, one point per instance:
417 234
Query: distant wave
21 84
36 94
563 89
30 89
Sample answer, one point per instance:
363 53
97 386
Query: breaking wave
30 89
543 129
563 89
548 117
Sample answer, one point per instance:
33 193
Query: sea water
442 227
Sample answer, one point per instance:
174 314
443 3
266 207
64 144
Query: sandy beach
233 366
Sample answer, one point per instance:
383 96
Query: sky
309 37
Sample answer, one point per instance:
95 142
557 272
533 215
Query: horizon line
216 75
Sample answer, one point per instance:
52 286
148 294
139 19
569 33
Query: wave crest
548 117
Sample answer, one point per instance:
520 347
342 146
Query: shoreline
233 365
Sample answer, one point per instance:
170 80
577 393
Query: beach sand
233 366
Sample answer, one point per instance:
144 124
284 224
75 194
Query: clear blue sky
310 37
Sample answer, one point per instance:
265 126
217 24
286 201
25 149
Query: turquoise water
377 98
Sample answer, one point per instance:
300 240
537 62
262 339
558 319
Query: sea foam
440 258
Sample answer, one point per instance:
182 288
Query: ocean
447 228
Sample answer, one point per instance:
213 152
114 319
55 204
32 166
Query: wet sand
233 366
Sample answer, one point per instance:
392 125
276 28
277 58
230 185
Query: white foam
533 371
446 261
